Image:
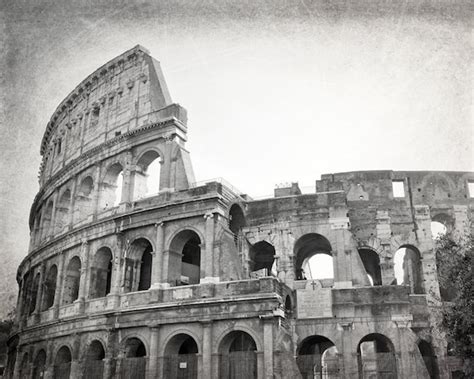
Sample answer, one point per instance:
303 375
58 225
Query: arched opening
429 358
62 363
437 229
133 364
34 293
72 281
376 357
185 258
317 358
371 262
39 365
408 268
24 368
147 175
47 218
94 360
238 353
62 211
49 288
313 258
236 220
84 199
26 295
181 357
262 256
288 306
111 187
101 273
138 266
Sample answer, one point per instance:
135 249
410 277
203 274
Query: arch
94 360
84 199
429 358
262 256
25 362
133 363
408 268
371 262
62 211
376 357
184 264
147 175
101 273
317 358
236 220
62 363
111 187
309 246
238 355
49 288
138 266
39 365
438 229
34 293
288 305
72 281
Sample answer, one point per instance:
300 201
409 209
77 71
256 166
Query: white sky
276 91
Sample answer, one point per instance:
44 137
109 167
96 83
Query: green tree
455 263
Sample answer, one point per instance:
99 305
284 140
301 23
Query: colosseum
135 270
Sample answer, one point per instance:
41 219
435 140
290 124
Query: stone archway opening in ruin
62 211
138 266
236 220
408 268
47 219
376 357
238 356
49 288
62 363
313 258
181 357
185 259
25 362
101 273
371 262
39 365
262 257
111 187
34 293
133 362
438 229
147 175
318 358
84 199
72 281
429 358
94 360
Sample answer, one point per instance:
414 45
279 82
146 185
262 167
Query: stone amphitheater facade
197 280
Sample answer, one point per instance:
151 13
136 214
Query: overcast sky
276 91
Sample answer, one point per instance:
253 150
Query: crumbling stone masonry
128 278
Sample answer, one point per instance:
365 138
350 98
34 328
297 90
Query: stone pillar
19 300
128 180
84 124
206 349
268 347
461 220
405 365
154 370
83 281
18 362
349 357
72 204
52 226
207 270
110 362
97 185
59 286
113 300
342 259
157 268
39 294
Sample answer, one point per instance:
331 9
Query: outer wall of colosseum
129 278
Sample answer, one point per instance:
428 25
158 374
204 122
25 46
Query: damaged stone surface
201 281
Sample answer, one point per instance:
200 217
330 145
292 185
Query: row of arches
91 197
237 358
184 264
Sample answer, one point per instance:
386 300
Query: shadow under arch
237 356
308 246
180 357
317 357
376 357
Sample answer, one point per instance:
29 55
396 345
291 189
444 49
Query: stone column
83 281
342 261
52 226
59 286
350 369
209 250
18 362
110 361
113 300
206 349
268 346
405 366
72 204
153 361
39 294
157 268
128 180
